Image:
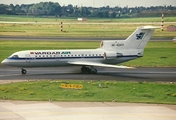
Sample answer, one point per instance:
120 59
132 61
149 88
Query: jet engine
110 55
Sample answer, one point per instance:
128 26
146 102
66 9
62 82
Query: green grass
73 28
156 54
24 18
160 54
142 92
77 30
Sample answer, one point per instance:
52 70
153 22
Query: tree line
55 9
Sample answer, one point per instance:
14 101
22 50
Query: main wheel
94 71
23 71
88 70
85 70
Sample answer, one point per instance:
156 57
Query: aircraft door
28 58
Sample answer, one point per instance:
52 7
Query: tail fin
137 40
140 37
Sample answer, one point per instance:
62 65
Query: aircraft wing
86 63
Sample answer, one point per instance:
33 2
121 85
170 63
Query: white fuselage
55 58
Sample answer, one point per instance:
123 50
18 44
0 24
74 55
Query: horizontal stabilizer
85 63
150 27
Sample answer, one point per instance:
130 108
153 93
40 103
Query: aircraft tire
23 71
88 70
95 71
85 70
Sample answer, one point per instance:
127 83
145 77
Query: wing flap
98 64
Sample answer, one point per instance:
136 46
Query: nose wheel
23 71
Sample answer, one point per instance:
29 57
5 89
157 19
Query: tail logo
140 36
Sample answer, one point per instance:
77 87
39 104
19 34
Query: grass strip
92 91
74 30
25 18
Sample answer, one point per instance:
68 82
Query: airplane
110 53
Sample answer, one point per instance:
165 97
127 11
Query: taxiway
31 110
69 73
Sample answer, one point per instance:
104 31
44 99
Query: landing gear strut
88 70
23 71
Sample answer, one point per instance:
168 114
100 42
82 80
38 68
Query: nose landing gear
23 71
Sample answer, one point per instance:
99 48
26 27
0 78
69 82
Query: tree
106 14
113 15
3 9
54 9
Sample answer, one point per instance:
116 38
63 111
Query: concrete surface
31 110
166 74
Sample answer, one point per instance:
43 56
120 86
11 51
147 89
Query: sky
98 3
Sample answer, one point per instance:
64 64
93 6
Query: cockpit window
14 56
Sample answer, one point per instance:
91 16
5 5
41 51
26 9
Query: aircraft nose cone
4 62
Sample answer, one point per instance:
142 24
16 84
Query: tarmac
149 74
32 110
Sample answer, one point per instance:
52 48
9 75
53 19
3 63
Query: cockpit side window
14 57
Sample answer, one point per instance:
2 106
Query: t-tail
134 44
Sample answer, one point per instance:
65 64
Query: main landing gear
88 70
84 69
23 71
